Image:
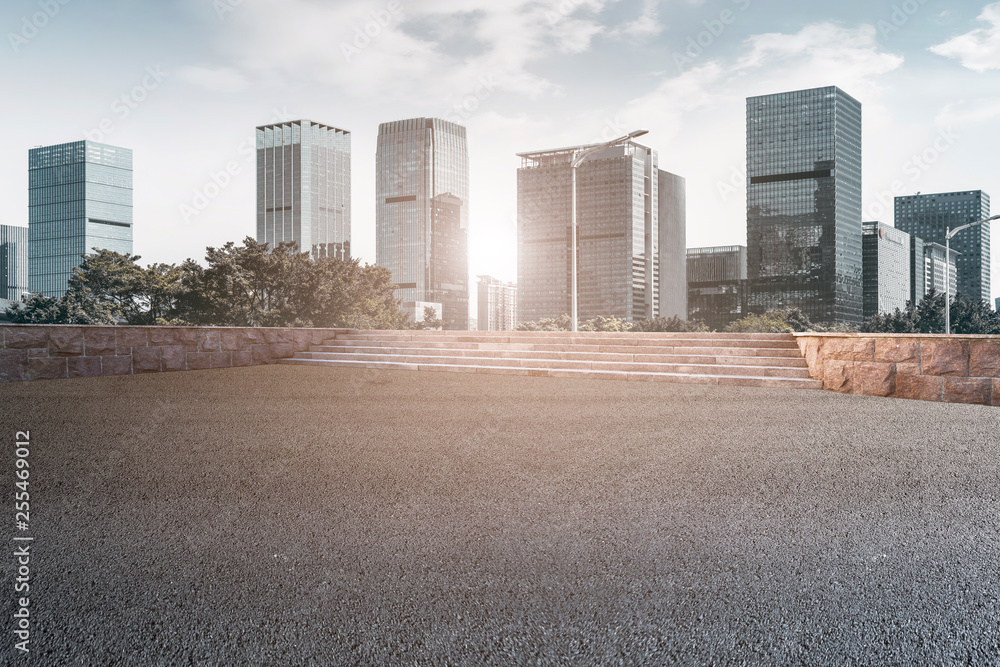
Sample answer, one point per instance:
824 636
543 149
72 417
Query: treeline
564 323
248 285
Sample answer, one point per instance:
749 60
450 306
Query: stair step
738 350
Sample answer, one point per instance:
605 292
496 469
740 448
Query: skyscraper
804 203
929 216
497 308
631 234
717 279
79 199
422 213
304 187
887 268
13 262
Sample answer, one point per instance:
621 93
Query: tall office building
887 271
934 268
497 309
804 203
13 262
717 279
422 213
304 187
79 200
631 234
929 216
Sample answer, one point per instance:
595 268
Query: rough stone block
849 349
116 365
129 337
811 349
252 336
919 387
261 354
874 379
146 359
231 339
838 375
303 339
897 350
26 336
173 357
13 365
944 357
99 341
47 368
199 360
209 340
65 341
242 358
164 336
222 359
984 359
38 352
968 390
996 393
908 369
83 367
282 350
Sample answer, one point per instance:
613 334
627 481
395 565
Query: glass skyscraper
79 200
13 262
422 213
304 187
804 203
928 216
717 279
497 304
630 236
887 270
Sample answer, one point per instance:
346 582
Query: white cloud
646 26
962 113
222 79
979 49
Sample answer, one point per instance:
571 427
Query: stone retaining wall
950 369
51 351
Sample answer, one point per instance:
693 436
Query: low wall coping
817 334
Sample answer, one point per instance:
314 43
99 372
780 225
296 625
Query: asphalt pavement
300 515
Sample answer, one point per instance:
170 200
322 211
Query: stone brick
13 365
47 368
116 365
38 352
261 354
231 339
83 367
996 393
919 387
199 360
65 341
146 359
222 359
984 359
164 336
303 339
252 336
209 340
944 357
129 337
838 375
897 350
809 346
242 358
874 379
908 369
99 341
26 337
173 357
849 349
274 335
282 350
968 390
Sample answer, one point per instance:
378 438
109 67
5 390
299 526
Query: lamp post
578 158
949 233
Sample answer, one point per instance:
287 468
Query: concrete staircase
757 360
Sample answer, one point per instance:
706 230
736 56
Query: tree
968 316
669 324
430 320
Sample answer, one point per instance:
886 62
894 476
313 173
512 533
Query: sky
183 83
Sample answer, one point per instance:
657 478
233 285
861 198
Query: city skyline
520 76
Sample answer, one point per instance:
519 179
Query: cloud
222 79
978 50
646 26
962 113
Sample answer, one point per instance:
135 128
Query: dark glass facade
79 200
304 187
929 216
630 217
422 213
716 278
804 203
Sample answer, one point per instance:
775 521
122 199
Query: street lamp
578 158
948 234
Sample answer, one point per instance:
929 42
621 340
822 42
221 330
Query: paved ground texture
297 515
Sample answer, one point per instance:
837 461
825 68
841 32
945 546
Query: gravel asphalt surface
296 515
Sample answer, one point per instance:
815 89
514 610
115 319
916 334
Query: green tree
669 324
